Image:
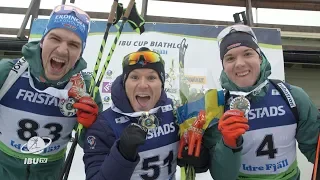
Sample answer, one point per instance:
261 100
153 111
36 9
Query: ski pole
316 170
68 162
113 47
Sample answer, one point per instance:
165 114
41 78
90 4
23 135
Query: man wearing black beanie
238 39
158 67
263 118
127 140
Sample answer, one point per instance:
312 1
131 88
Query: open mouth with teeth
143 100
242 74
57 64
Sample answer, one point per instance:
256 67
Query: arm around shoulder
308 123
102 159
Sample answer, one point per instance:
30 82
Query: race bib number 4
269 150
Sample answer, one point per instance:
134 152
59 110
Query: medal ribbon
254 91
58 93
135 114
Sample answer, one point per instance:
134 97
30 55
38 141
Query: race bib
269 150
19 126
157 163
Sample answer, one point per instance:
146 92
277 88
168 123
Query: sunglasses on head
235 28
143 57
67 9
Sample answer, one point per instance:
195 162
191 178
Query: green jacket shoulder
308 123
5 67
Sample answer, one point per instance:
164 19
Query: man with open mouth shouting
136 138
43 98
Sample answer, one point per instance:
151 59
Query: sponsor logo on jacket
271 111
23 147
18 65
122 119
287 94
161 130
36 97
272 167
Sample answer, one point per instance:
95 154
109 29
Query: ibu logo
106 87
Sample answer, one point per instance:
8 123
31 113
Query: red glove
87 111
232 125
87 108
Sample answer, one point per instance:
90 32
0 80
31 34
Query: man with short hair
43 97
263 118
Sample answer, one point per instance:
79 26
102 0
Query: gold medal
241 103
148 121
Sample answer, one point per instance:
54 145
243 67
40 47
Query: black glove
131 138
201 163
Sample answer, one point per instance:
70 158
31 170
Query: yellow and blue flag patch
212 103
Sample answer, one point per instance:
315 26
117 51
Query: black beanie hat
237 39
158 67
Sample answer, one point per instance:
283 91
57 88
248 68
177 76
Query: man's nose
143 83
63 48
240 62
